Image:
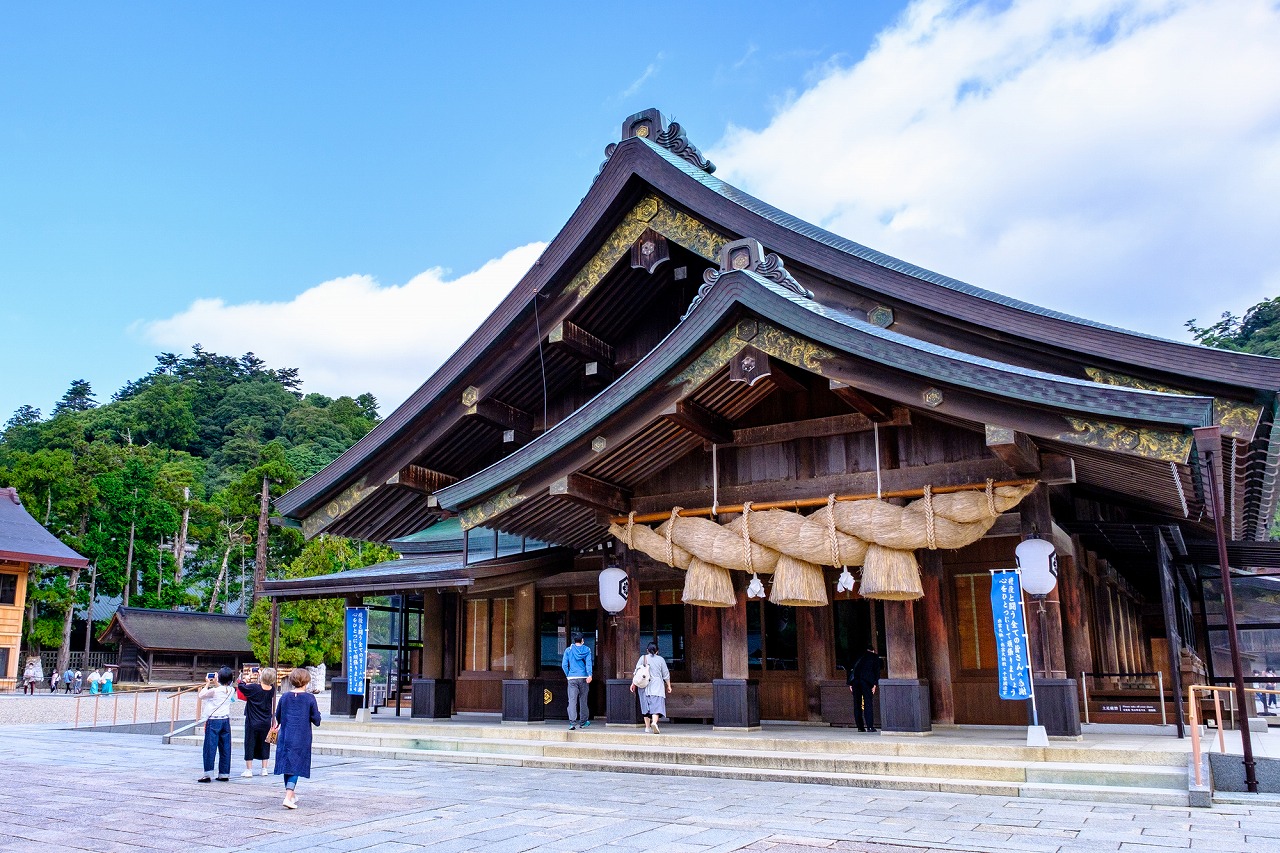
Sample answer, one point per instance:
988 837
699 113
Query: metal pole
1084 686
1209 443
1026 641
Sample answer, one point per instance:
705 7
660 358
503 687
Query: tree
22 417
1257 332
311 631
79 398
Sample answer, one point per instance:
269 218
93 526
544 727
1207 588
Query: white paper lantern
1039 563
614 589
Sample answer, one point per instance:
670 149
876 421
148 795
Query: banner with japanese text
357 649
1013 658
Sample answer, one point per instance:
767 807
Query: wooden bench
691 701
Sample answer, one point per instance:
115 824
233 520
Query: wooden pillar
449 637
1075 622
628 642
1037 520
432 634
900 635
932 611
525 633
275 633
1126 632
733 632
1109 644
703 630
813 627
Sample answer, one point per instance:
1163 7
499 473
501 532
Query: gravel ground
60 709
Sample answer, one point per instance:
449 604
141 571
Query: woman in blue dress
296 713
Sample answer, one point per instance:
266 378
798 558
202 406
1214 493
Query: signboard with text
1013 658
357 649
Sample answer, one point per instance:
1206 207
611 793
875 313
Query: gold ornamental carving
1239 420
315 524
1165 445
491 508
650 212
769 339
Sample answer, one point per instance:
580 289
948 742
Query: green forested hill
197 435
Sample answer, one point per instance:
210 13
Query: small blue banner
357 649
1013 657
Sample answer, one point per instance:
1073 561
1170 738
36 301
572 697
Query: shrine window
975 627
772 642
8 588
662 622
489 635
561 616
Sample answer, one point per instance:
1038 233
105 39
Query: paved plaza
81 790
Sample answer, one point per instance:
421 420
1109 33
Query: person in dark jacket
296 713
259 697
577 665
864 677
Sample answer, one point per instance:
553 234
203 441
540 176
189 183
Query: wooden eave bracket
1016 449
592 492
575 341
859 403
700 421
497 414
816 428
420 479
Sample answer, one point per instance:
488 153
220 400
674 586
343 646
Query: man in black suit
864 676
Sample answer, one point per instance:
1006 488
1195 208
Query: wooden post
1075 618
275 633
260 553
526 633
813 626
933 612
1037 520
449 641
733 632
1110 647
900 635
432 634
627 640
703 624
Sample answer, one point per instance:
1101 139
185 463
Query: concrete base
1037 736
362 715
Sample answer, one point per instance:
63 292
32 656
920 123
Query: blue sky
229 174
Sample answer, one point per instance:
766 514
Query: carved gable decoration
750 365
748 255
649 251
653 126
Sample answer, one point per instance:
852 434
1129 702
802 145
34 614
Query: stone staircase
955 765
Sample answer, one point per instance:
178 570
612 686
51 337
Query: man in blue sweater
577 664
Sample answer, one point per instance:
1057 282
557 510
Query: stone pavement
83 790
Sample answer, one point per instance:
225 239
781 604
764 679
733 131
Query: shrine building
747 415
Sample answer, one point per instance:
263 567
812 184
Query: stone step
1149 784
855 744
1047 790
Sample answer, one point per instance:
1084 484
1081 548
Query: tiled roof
24 540
180 630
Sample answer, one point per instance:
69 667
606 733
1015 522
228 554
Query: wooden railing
1194 717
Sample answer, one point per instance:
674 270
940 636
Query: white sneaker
265 772
248 774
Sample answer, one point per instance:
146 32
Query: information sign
357 649
1013 658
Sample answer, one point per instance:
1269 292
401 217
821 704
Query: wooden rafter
592 492
700 421
1015 449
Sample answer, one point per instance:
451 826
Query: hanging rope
671 551
746 537
631 530
715 483
991 497
930 525
875 431
832 539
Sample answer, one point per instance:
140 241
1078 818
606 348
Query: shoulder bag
642 676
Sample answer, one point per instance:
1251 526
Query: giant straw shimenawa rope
879 536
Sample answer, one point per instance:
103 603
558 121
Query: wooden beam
575 341
859 403
420 479
943 474
500 415
700 421
592 492
750 365
1016 449
597 374
814 428
1056 469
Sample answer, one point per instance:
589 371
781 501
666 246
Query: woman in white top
216 697
653 698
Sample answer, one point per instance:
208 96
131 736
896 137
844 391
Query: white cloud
1116 159
649 71
352 334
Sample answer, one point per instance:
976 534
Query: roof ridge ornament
652 125
748 255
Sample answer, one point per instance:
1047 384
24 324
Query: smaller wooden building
23 541
174 645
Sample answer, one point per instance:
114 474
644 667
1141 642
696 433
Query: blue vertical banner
1013 658
357 649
